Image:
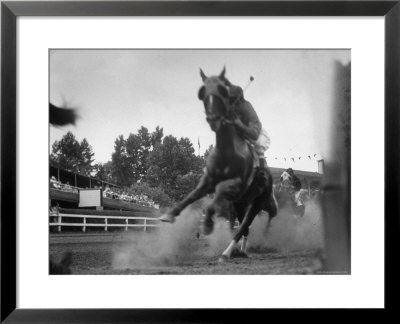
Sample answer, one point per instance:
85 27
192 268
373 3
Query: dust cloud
289 232
168 245
175 244
219 239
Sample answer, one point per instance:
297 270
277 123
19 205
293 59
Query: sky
116 92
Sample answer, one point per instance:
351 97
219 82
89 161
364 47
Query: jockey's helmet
235 92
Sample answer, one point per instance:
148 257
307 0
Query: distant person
67 187
292 184
54 183
107 192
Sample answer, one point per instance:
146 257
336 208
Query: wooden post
84 222
59 222
58 174
126 222
336 190
105 227
145 224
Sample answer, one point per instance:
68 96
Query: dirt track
293 248
93 254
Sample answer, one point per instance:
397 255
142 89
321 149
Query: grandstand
65 186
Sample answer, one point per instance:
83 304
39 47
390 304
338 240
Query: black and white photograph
199 161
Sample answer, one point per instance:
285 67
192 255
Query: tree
164 163
86 152
156 194
71 155
185 184
171 160
130 157
120 168
156 136
103 171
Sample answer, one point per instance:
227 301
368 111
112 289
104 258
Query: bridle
215 88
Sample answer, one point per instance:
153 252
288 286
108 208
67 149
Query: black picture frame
11 10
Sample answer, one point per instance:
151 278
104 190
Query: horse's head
215 95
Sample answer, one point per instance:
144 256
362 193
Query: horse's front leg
224 190
204 187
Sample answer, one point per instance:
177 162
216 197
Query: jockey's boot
262 175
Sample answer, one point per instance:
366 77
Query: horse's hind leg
271 207
240 214
239 210
243 245
252 211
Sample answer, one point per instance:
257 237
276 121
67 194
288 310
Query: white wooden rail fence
147 221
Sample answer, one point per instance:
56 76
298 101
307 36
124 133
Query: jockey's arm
252 128
252 131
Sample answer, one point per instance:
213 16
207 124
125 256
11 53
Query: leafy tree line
164 168
72 155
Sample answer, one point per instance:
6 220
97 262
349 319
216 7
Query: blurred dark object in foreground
61 116
336 188
62 267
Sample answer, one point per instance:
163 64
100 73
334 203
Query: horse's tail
62 116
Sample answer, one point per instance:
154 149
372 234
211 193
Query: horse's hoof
236 253
167 218
223 259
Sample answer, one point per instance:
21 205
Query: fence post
145 224
105 227
59 219
126 222
84 224
59 223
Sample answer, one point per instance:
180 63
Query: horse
287 196
231 169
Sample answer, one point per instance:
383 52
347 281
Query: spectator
67 187
54 183
107 192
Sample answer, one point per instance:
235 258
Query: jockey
295 182
247 122
295 186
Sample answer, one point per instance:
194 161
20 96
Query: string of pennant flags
294 159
